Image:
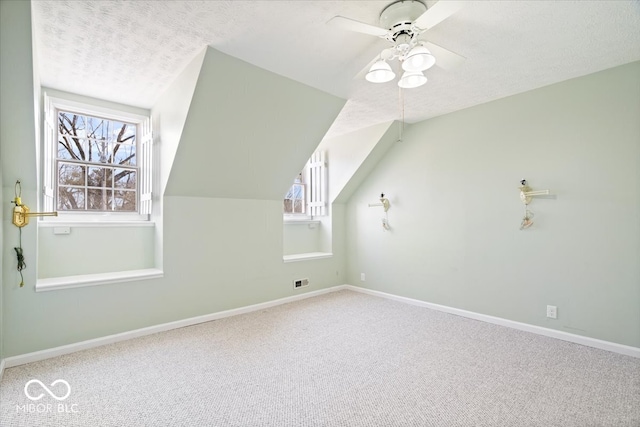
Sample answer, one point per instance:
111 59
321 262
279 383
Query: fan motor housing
398 16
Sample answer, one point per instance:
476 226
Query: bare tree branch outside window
96 164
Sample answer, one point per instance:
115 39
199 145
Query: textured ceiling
130 51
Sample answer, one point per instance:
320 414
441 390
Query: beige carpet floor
341 359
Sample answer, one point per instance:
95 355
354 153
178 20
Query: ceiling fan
402 22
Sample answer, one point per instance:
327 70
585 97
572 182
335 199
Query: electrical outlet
362 277
552 312
300 283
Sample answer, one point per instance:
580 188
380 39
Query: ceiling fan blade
438 13
357 26
445 59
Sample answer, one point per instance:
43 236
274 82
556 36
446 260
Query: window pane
70 199
97 128
289 194
295 192
96 156
298 191
70 174
122 132
294 201
125 201
124 154
72 124
125 178
98 198
71 147
99 152
100 177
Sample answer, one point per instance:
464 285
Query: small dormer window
96 162
306 198
294 200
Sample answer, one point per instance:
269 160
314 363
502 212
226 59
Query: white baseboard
561 335
110 339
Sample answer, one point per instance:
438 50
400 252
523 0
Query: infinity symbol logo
41 395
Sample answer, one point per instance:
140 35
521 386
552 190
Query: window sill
306 256
82 280
301 221
52 224
311 223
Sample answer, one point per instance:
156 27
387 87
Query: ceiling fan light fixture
418 59
412 79
380 72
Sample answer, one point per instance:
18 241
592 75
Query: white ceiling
130 51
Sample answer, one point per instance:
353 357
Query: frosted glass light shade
380 72
418 59
412 79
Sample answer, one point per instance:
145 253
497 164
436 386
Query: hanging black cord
21 264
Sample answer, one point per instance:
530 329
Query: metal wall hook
526 193
526 196
384 202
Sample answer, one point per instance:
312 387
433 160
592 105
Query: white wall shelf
306 256
82 280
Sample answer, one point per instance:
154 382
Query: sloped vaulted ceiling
248 131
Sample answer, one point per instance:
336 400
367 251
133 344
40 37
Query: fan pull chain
401 107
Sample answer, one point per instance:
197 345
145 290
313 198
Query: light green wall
353 155
248 132
1 263
301 238
91 250
17 146
2 224
455 209
219 253
350 158
169 115
211 266
455 213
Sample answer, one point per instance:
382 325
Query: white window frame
303 189
315 189
144 141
